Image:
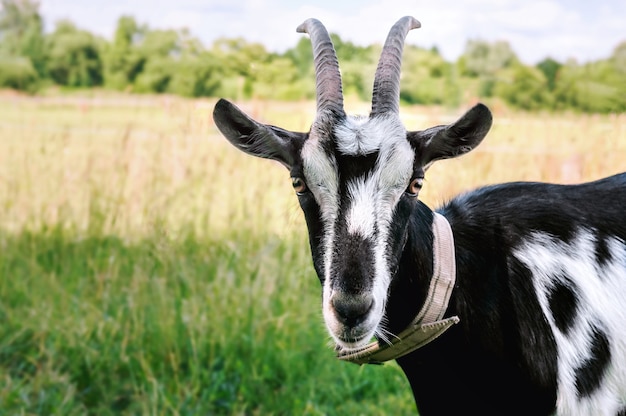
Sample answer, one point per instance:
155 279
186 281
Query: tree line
145 60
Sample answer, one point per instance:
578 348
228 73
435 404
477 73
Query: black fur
501 358
603 254
563 301
590 374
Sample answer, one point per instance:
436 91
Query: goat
531 315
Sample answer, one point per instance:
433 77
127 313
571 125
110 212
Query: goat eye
415 186
298 185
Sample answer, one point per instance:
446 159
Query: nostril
351 310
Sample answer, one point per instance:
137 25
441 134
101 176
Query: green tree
238 56
550 69
159 43
302 57
482 58
593 87
349 52
21 32
122 60
18 73
484 62
523 87
619 58
239 62
74 57
427 78
155 76
194 76
175 62
278 79
22 51
156 50
358 67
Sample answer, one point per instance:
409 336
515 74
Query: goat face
357 180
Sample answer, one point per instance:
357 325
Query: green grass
193 325
146 267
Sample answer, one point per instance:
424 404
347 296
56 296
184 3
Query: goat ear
456 139
254 138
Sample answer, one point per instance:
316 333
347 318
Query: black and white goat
538 283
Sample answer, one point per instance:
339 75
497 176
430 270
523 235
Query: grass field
146 267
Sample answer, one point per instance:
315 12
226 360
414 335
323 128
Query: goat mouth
352 347
353 340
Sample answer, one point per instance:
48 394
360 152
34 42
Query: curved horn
328 78
386 95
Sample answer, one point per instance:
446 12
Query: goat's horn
386 95
328 78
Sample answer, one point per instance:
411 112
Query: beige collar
428 324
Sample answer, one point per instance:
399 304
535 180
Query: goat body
540 268
541 292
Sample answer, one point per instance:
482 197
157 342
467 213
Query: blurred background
537 55
146 267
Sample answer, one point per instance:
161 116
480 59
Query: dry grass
147 155
140 159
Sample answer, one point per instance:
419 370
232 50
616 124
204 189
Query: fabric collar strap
428 324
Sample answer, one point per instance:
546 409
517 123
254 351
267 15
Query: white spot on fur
362 136
361 215
601 296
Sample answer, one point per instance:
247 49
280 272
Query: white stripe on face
371 197
361 215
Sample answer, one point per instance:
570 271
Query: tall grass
148 268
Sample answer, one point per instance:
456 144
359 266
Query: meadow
147 267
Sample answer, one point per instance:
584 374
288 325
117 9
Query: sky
584 30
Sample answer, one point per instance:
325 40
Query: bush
188 76
523 87
18 73
193 77
74 57
595 87
155 76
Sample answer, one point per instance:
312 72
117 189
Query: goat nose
351 310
